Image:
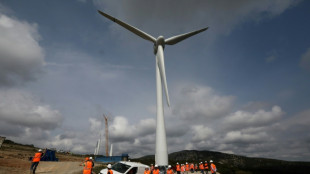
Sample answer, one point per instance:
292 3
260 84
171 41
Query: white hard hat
177 163
109 166
186 163
169 166
156 165
90 157
40 150
211 161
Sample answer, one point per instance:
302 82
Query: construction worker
206 167
213 167
156 170
88 166
201 167
186 168
178 168
191 166
196 167
152 168
110 171
91 160
182 169
147 171
169 170
35 161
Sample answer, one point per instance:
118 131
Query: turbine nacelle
159 41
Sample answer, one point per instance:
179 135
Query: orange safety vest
201 167
147 171
187 167
169 171
110 171
213 168
182 168
37 157
192 166
156 171
206 166
178 167
196 166
88 167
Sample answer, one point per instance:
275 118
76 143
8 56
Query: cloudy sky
240 87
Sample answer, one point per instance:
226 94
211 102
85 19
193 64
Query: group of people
88 165
185 168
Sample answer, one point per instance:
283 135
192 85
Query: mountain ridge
231 163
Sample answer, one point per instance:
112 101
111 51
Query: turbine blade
175 39
161 65
129 27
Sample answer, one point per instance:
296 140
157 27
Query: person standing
152 168
156 170
169 170
206 167
88 166
147 171
213 167
35 161
186 168
110 171
191 166
182 169
201 167
91 160
178 168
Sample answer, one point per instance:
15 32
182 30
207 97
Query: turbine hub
159 41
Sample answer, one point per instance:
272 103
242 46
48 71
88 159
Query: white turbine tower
161 155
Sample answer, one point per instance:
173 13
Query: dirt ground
14 159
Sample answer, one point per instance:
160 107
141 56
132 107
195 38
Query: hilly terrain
235 164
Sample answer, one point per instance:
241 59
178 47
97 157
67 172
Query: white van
125 167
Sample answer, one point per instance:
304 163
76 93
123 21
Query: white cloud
122 130
95 125
242 119
21 56
200 102
201 133
241 137
22 109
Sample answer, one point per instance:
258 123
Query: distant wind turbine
161 155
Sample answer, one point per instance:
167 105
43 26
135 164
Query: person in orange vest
88 165
196 167
178 168
182 169
206 166
169 170
213 167
147 171
201 167
191 166
156 170
35 161
110 171
186 168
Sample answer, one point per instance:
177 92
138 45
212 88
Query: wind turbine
161 155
